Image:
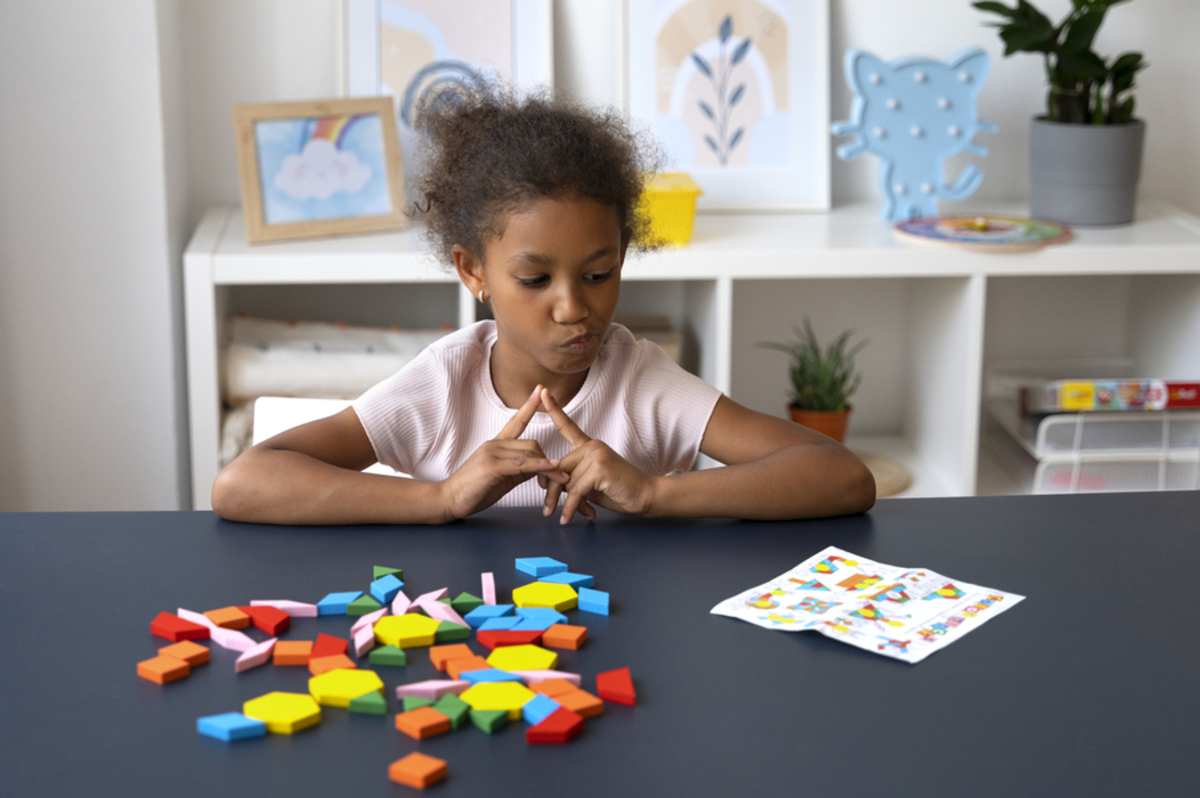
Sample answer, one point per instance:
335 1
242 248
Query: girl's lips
581 344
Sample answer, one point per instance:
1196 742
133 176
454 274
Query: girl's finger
552 494
516 425
579 487
566 427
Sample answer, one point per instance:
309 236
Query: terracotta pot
826 422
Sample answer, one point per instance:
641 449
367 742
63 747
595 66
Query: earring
481 299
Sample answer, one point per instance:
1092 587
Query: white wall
88 395
115 135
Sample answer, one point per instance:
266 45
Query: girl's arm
774 470
312 474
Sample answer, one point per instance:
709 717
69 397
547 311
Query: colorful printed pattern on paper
895 612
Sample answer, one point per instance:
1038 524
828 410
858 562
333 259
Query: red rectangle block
173 628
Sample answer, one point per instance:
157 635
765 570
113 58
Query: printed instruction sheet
905 613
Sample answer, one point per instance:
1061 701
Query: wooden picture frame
319 168
404 48
736 92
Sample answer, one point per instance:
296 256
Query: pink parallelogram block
434 688
225 638
440 612
296 609
489 589
252 658
364 640
533 677
400 604
367 620
432 595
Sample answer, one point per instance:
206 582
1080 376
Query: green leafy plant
821 380
1084 88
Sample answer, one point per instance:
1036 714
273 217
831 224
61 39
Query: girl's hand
597 474
498 466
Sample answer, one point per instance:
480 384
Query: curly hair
485 153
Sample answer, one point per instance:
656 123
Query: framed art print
407 48
736 93
320 168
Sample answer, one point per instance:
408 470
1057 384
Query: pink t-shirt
429 417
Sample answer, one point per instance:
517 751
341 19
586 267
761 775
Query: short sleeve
404 414
669 408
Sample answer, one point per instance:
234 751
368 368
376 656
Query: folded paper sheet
905 613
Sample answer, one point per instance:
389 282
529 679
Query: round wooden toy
987 232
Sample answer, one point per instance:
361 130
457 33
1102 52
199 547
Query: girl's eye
533 282
598 278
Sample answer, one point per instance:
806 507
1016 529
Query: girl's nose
569 306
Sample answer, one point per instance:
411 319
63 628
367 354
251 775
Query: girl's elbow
860 490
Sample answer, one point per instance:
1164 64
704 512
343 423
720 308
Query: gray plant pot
1084 174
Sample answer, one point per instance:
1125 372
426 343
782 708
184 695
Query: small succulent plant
822 380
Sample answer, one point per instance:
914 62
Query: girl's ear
469 268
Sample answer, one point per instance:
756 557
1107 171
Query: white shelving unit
934 314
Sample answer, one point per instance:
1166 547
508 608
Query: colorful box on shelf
669 199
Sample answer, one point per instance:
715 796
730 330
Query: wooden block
540 566
272 620
422 723
553 687
533 677
411 702
454 708
448 632
385 588
538 708
173 628
499 624
319 665
328 645
461 665
389 655
440 655
567 578
231 639
364 641
488 720
465 602
368 620
616 686
493 638
294 609
581 702
363 605
433 688
336 603
593 601
400 604
228 618
563 635
559 727
284 713
441 612
293 652
380 571
371 703
230 726
489 588
491 675
256 656
417 770
477 616
163 669
192 653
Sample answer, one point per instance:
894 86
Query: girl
535 202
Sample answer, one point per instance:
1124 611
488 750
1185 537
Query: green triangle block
445 601
389 655
454 708
412 702
382 571
465 603
489 719
448 631
372 703
362 605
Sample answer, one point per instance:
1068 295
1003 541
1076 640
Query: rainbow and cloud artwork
327 167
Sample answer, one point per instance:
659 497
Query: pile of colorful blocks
516 681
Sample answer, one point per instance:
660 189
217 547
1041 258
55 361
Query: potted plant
1085 154
822 381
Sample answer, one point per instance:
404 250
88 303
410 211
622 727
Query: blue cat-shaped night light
914 113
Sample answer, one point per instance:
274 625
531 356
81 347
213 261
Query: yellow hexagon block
546 594
406 631
338 687
509 696
284 713
522 658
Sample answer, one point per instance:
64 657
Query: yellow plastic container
670 202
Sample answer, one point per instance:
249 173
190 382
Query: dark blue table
1086 688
